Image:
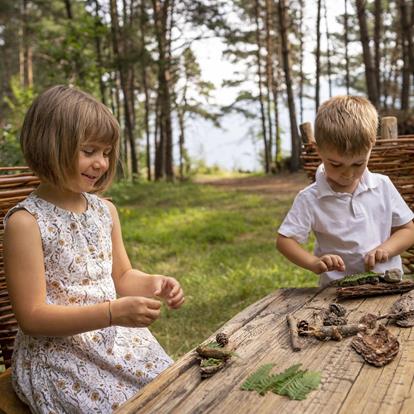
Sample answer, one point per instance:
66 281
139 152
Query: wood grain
261 335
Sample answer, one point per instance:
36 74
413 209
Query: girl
83 345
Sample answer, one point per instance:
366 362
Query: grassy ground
218 243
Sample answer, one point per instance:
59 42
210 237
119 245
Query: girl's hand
327 263
134 311
170 290
378 255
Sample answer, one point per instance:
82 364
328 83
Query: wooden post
389 127
306 131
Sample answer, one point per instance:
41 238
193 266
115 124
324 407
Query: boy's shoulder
309 192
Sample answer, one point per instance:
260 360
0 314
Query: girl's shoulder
27 210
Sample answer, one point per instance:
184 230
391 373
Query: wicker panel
15 184
392 157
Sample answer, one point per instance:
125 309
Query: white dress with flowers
96 371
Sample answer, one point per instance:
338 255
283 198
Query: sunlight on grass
219 244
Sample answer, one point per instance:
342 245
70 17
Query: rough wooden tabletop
260 334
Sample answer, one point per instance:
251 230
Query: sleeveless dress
92 372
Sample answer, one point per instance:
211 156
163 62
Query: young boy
359 219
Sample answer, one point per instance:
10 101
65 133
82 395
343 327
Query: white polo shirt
349 225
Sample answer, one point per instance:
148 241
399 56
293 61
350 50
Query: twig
294 336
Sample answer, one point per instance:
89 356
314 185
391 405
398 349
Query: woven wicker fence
15 185
392 155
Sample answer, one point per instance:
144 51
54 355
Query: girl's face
93 164
343 173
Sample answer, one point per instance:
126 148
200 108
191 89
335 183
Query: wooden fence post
306 131
389 127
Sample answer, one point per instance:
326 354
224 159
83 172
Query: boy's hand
170 290
327 263
378 255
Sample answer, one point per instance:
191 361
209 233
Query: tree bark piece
294 336
217 353
367 290
377 349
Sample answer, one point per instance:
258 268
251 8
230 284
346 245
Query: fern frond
256 379
298 385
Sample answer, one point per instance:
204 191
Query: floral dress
92 372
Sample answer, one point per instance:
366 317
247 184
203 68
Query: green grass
219 244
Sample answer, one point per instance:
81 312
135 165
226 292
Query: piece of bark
336 333
217 353
210 370
294 335
351 292
377 349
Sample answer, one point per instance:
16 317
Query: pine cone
303 326
222 339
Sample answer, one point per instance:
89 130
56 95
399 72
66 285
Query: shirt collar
367 182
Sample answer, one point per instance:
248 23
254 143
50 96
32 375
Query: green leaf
294 383
255 380
298 385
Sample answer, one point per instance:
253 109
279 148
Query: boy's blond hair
56 124
347 124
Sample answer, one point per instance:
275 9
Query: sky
232 147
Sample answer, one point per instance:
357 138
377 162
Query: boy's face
343 172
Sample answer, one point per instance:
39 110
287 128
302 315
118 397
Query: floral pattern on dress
92 372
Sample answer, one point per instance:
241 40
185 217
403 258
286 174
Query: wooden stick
335 332
399 315
389 127
294 336
307 133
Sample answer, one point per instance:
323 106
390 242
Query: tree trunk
318 55
295 158
377 43
25 49
259 72
161 12
370 76
98 48
406 48
328 49
128 110
301 57
269 77
346 41
144 78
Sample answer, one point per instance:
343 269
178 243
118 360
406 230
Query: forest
139 58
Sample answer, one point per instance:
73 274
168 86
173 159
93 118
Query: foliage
293 382
21 97
219 244
357 278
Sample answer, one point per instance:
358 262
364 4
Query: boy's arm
293 251
400 240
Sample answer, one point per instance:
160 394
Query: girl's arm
25 275
133 282
293 251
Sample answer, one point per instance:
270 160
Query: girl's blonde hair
347 124
56 124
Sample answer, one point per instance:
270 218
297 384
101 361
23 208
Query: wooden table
260 333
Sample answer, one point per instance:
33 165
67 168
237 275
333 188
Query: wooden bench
15 185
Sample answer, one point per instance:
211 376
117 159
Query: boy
359 219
